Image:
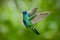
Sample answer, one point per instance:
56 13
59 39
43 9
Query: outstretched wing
40 16
33 11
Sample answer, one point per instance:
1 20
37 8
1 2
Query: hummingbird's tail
35 31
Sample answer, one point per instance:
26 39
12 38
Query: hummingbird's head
24 12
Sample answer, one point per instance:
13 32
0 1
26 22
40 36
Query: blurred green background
12 27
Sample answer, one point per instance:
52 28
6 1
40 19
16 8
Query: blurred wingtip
46 12
33 11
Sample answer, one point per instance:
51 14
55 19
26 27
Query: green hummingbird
30 18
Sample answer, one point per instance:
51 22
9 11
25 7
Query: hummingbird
31 18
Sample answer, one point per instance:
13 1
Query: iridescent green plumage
27 22
26 19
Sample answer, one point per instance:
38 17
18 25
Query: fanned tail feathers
35 31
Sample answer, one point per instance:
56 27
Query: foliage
12 27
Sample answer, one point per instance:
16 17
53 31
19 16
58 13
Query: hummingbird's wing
33 11
40 16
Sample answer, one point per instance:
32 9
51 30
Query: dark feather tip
35 31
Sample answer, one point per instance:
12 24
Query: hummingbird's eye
24 12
